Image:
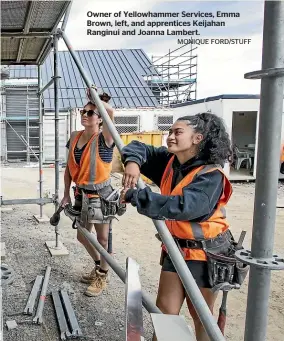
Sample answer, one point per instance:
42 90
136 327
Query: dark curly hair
216 145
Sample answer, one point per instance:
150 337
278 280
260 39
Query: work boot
98 284
88 278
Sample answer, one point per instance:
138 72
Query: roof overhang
27 29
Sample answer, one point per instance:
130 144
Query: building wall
49 137
3 138
240 105
146 118
225 109
214 106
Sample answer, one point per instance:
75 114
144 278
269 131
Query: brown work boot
88 278
97 285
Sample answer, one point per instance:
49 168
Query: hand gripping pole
185 275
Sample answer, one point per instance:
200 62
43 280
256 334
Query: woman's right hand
66 200
131 175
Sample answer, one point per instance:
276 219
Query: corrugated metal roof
26 29
117 72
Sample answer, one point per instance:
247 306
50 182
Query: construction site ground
102 318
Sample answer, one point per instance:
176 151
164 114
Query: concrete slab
6 209
3 251
172 327
11 324
43 219
61 250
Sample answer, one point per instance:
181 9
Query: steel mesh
127 124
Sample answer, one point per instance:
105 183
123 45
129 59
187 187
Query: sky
221 68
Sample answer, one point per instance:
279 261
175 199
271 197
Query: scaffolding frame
173 77
261 258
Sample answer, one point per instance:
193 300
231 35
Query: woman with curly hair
194 193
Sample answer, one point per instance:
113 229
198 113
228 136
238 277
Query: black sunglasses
89 113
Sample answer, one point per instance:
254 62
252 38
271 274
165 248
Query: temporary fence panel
49 136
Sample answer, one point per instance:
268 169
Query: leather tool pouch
110 207
223 268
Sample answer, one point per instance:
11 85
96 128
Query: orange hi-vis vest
92 173
208 229
282 153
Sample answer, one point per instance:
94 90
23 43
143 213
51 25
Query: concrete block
61 250
3 251
43 219
6 209
11 324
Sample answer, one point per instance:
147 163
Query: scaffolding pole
184 273
261 258
40 139
56 127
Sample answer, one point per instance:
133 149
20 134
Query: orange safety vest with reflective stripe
208 229
92 173
282 153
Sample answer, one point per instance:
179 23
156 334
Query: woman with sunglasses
89 167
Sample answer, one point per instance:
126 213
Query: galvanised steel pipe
56 127
184 273
40 123
147 303
270 122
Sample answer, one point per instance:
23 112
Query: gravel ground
102 318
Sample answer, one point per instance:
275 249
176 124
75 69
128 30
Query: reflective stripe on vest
93 160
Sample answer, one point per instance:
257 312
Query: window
127 124
164 122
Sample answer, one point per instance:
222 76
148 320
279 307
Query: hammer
54 220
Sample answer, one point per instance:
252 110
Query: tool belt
110 202
102 205
223 267
206 243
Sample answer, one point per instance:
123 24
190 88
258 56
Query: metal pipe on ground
270 119
56 127
184 273
40 123
147 303
38 317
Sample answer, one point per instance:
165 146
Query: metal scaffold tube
56 127
40 140
184 273
270 122
147 303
